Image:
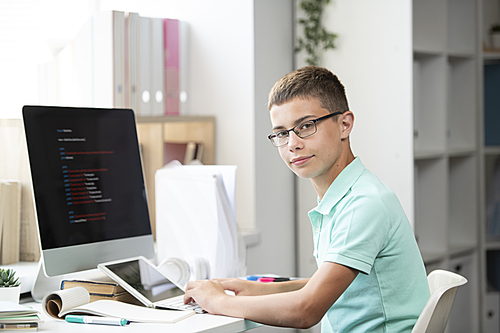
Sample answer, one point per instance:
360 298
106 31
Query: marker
18 326
266 278
96 320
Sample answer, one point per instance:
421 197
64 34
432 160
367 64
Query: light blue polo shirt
360 223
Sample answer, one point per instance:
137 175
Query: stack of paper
16 316
195 216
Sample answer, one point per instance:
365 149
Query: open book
76 301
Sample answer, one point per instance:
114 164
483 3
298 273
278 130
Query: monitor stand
44 284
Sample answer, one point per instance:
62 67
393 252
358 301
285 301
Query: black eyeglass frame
270 136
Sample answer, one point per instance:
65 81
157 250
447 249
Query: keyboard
177 303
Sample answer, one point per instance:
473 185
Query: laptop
147 284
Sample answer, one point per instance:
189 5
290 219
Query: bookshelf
154 131
446 172
489 149
490 153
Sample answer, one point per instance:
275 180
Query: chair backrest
443 286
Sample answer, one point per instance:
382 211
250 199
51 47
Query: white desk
197 323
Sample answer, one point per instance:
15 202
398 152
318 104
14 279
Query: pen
96 320
18 326
266 278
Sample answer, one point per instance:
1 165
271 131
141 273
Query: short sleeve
359 233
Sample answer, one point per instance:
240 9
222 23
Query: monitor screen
88 186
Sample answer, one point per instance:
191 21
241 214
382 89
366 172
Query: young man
370 275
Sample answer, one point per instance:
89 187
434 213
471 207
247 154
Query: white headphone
182 271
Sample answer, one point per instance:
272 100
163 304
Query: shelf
429 154
462 202
423 53
429 25
456 54
429 115
493 245
461 250
461 19
431 205
451 152
462 100
462 152
433 257
491 150
491 55
168 119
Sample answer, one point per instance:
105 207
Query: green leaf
316 37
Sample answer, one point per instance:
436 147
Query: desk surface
197 323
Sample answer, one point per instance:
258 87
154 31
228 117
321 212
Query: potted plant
315 37
10 287
495 36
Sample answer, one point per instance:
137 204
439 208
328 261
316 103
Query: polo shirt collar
340 186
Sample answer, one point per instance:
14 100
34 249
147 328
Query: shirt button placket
318 235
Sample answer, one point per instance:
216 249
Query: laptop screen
87 175
146 280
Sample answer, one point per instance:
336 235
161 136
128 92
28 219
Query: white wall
373 59
221 83
274 192
235 58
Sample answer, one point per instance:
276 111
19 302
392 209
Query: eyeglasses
303 130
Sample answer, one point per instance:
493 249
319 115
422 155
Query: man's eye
281 134
306 126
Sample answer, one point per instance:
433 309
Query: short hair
307 82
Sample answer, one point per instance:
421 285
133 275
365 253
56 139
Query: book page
55 303
77 301
130 312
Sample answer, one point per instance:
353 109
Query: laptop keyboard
178 304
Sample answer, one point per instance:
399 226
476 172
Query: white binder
195 218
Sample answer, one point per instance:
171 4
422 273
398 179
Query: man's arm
301 308
252 288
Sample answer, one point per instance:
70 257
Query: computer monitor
88 187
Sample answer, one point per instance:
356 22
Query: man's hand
243 287
207 293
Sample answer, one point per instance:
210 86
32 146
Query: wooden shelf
153 132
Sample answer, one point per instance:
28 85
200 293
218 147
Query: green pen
96 320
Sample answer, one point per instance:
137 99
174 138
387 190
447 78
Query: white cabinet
446 161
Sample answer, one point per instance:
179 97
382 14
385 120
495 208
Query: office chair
443 286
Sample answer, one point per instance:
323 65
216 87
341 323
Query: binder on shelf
157 74
119 63
144 84
107 63
120 59
171 42
195 217
131 60
184 54
491 105
493 205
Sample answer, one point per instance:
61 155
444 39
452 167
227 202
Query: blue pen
96 320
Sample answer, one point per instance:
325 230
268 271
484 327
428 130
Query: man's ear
347 124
